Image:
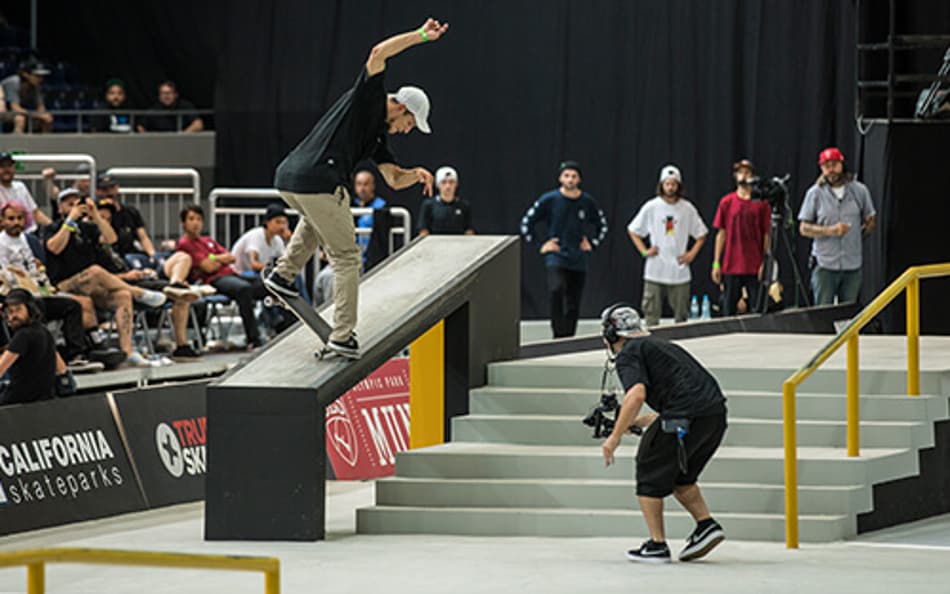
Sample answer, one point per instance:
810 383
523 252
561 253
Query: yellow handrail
909 280
35 561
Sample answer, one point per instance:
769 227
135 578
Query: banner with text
368 425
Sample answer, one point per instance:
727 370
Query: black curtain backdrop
516 86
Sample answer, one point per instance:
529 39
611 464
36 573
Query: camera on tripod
600 417
773 190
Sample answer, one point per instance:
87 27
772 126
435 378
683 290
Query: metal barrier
161 221
34 180
35 562
909 281
81 117
253 215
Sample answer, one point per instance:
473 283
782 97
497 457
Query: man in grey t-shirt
24 99
836 214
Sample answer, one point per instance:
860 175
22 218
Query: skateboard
306 314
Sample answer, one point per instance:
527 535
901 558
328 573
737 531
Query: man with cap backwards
679 439
669 220
569 213
312 179
445 213
741 240
836 213
12 190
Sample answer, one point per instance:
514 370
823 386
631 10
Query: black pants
565 287
244 292
69 312
733 292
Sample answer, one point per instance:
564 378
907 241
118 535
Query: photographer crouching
678 440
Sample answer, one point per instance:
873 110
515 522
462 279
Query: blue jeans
828 284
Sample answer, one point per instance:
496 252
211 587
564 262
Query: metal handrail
909 281
85 114
62 158
35 561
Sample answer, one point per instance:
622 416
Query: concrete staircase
522 464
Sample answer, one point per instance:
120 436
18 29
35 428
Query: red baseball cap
830 154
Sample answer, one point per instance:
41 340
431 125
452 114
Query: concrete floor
910 559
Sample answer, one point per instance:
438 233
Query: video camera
599 418
773 190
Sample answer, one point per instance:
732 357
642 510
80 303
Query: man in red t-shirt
211 264
744 235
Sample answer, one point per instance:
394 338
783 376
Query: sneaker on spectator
137 360
177 290
152 298
185 353
203 290
82 365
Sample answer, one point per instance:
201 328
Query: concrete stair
522 464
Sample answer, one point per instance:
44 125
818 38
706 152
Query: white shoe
152 298
203 290
137 360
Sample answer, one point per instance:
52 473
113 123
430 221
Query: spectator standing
576 226
169 100
741 240
837 213
31 358
260 247
445 213
12 190
24 97
119 121
668 220
364 185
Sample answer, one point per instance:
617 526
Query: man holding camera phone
679 439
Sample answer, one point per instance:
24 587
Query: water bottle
707 311
693 308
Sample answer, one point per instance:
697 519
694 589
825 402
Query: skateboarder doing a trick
313 178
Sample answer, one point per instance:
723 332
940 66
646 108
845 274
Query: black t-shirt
117 121
169 123
33 374
354 129
126 223
445 218
677 385
80 253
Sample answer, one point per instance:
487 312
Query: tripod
781 213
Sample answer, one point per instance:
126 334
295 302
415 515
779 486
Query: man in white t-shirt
14 191
668 220
261 246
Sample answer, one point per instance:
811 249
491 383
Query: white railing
159 205
34 179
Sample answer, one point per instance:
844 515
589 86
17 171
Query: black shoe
348 348
253 345
185 353
650 552
277 285
702 540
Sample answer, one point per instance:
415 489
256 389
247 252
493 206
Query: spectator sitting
176 269
323 282
118 121
31 357
52 190
445 213
364 185
134 243
212 264
21 269
12 190
72 254
24 97
261 246
169 100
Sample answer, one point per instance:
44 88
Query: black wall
516 86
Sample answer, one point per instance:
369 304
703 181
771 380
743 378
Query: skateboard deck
306 314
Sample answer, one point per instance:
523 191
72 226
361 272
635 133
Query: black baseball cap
7 156
274 211
34 66
104 180
19 297
107 204
569 164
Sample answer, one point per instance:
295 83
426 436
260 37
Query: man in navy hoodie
576 226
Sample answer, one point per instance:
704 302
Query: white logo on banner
169 450
341 433
3 496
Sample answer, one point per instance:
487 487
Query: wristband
211 257
715 265
422 32
70 228
643 253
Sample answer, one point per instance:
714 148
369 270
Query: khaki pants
655 293
325 220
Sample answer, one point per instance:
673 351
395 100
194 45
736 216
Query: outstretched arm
430 31
398 178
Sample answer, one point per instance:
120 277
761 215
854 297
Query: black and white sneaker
348 348
650 552
277 285
704 538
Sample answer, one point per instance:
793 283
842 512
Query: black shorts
658 468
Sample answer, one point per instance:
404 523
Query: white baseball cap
417 102
444 173
670 171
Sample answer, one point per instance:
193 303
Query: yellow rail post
272 582
854 414
913 337
791 465
427 388
35 578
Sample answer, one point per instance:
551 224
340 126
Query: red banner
368 425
